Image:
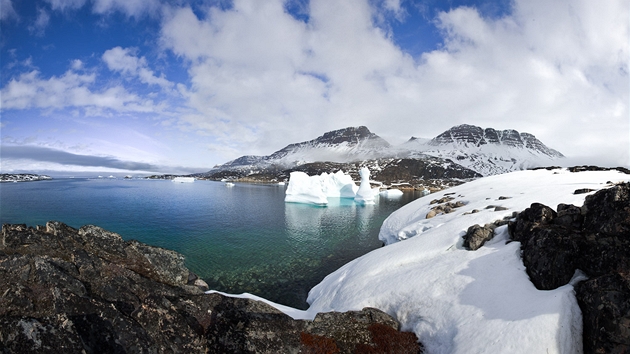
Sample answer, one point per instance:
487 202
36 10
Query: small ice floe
391 193
229 184
184 179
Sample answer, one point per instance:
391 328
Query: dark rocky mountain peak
474 136
352 135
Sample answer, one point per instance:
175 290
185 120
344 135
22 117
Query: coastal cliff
89 291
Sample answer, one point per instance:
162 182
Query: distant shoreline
22 177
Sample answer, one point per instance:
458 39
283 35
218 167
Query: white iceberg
317 189
365 194
184 179
305 189
391 193
338 185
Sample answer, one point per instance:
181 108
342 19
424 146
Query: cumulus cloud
124 61
71 89
558 70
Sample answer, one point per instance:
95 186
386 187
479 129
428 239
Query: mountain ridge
483 151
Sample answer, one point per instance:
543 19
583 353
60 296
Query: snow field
460 301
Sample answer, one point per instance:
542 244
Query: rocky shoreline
89 291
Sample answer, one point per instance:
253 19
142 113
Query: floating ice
338 185
184 179
391 193
305 189
317 189
365 194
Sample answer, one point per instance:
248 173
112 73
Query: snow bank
460 301
317 189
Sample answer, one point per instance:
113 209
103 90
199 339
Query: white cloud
124 61
131 8
29 90
63 5
41 22
558 70
7 11
76 64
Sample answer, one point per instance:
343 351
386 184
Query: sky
153 86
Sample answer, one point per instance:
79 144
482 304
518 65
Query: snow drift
460 301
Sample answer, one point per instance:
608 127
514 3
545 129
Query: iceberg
338 185
391 193
317 189
305 189
365 194
183 179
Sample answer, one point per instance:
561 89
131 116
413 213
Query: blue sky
151 86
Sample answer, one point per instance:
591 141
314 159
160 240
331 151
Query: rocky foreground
89 291
594 238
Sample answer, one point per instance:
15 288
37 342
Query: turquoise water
239 239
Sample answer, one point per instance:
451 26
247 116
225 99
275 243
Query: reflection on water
240 239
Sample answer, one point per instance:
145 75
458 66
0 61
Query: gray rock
89 291
476 236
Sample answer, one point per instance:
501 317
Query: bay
239 239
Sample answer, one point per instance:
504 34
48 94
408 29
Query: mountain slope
343 145
487 151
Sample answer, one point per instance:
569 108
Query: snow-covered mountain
484 151
487 151
343 145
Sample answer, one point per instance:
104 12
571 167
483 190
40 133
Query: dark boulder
89 291
605 304
533 217
551 256
596 240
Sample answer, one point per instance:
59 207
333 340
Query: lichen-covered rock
535 216
595 239
89 291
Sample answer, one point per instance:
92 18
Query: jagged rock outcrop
594 239
471 135
89 291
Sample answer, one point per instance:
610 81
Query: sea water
239 239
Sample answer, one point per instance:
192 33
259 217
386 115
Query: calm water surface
239 239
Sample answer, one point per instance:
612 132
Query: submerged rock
596 240
89 291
